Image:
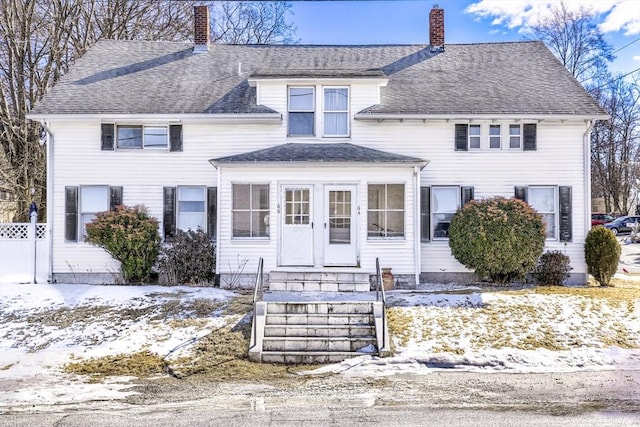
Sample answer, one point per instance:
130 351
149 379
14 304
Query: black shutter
461 137
175 138
169 212
425 214
115 198
466 195
529 131
71 214
107 136
520 193
212 211
565 214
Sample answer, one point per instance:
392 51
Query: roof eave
217 163
150 117
467 117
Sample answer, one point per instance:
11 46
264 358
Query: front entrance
340 248
297 225
320 233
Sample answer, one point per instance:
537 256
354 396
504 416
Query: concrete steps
319 281
316 332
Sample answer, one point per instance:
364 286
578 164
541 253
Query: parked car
599 218
623 224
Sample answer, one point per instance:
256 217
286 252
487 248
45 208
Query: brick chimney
200 28
436 28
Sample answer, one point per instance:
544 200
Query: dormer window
333 106
301 111
336 111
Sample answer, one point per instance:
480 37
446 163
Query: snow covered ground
43 327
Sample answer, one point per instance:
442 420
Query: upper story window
336 112
476 137
126 136
333 106
142 136
301 111
515 136
495 140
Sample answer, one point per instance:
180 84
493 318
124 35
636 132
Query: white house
315 157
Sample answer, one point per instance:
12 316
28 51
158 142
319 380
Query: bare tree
40 39
576 41
615 146
251 22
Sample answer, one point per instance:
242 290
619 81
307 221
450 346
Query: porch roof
319 153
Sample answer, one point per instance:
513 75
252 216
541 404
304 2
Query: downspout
416 224
587 180
218 207
50 204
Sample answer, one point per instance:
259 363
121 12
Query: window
385 215
142 136
336 112
445 201
191 208
494 137
297 204
515 136
474 136
543 200
250 210
301 111
93 199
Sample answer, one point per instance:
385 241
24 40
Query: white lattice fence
24 252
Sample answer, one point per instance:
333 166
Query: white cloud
615 15
636 58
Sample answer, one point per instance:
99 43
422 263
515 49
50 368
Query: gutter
469 117
170 118
49 198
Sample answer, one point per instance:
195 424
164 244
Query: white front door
340 248
297 225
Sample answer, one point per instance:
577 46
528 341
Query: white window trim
403 210
177 207
268 210
432 212
82 232
347 112
556 205
499 136
479 137
144 146
319 111
508 145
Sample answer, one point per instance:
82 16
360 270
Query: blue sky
466 21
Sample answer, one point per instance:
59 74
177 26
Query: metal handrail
379 285
380 288
259 281
257 292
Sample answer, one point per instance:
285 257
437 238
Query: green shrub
602 254
189 258
501 239
130 236
553 268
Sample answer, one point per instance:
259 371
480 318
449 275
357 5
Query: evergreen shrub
602 254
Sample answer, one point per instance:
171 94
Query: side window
336 112
142 136
250 210
191 212
301 111
445 201
544 200
93 199
385 211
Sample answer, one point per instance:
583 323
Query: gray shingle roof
336 153
128 77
